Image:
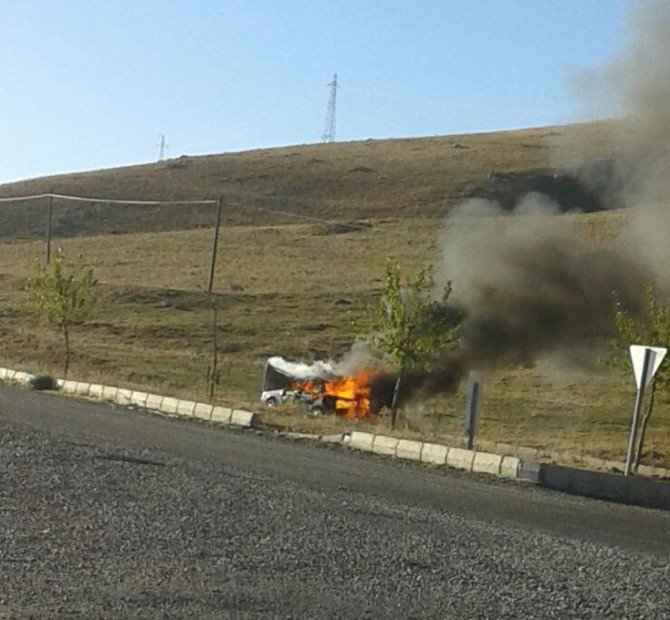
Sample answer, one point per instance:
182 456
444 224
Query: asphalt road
107 511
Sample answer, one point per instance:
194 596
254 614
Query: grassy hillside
297 291
299 288
418 177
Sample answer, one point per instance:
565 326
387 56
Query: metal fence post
215 245
47 257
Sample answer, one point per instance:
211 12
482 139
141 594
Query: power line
329 125
288 214
110 200
22 198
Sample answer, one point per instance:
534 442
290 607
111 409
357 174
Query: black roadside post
472 408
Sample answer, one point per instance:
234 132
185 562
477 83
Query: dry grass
417 177
296 291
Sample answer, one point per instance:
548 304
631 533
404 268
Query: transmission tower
329 126
161 147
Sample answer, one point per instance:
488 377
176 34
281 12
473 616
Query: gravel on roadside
102 530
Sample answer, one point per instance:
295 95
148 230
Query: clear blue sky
88 84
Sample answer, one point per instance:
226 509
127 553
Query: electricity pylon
329 126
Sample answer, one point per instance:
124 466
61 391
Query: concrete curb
644 492
612 487
159 403
436 454
337 438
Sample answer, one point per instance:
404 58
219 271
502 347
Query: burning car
319 388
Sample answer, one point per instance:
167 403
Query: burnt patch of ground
586 190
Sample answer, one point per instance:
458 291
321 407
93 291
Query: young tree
64 294
410 325
652 328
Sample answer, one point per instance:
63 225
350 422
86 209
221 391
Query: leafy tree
652 328
64 294
410 325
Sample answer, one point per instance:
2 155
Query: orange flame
349 396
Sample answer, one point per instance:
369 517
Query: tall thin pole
161 147
212 371
215 245
646 368
329 125
47 257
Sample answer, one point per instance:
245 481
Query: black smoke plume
527 281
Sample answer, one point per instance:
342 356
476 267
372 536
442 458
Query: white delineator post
646 361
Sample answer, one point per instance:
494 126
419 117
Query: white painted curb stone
240 417
434 453
361 441
169 405
95 391
186 407
486 463
109 393
408 449
203 411
337 438
509 468
460 459
382 444
68 386
83 389
154 401
123 396
22 377
139 398
221 414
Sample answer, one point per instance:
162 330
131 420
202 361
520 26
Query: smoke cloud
359 357
635 85
528 281
640 81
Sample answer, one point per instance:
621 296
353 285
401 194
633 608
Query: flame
352 395
349 396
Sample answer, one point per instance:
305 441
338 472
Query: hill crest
369 179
